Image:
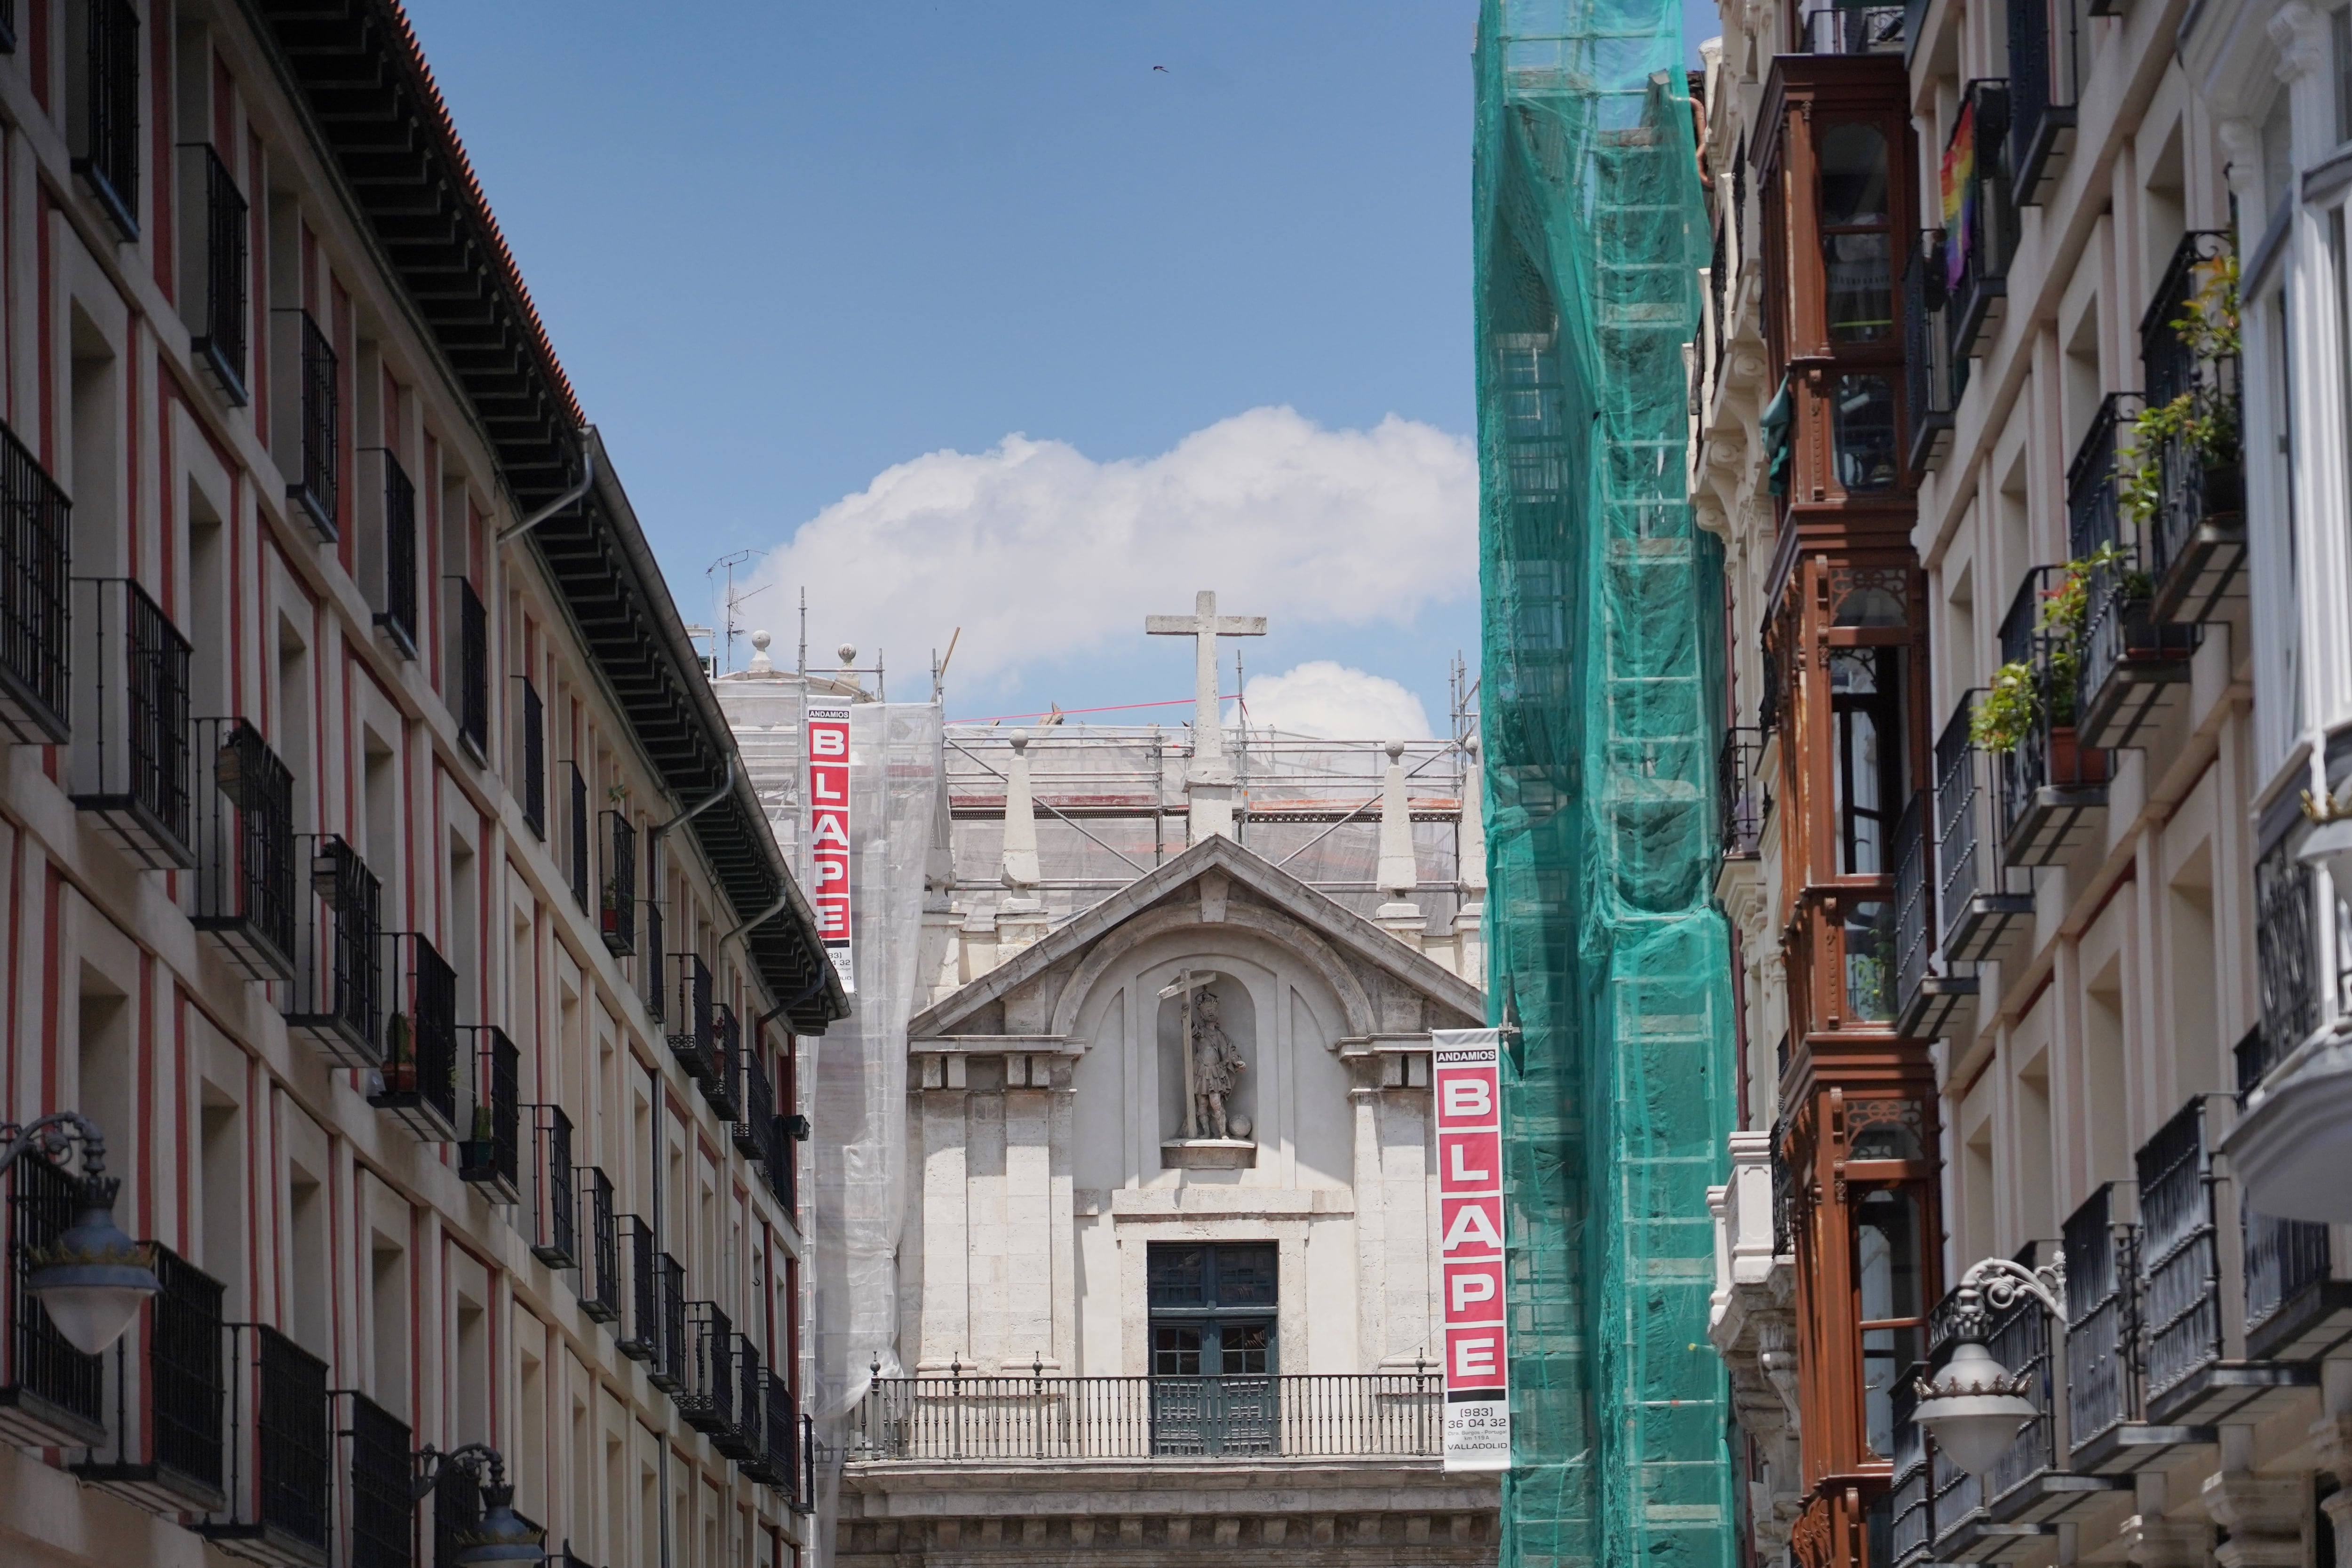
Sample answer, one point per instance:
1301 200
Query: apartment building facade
2110 908
381 874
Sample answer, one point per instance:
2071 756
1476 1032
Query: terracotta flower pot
2072 762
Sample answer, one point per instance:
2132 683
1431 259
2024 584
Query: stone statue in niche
1217 1068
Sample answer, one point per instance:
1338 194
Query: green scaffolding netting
1602 606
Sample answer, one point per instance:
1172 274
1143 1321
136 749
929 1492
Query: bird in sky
1162 68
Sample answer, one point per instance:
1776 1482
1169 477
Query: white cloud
1326 699
1039 552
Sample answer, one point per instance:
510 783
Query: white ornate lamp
1974 1407
92 1279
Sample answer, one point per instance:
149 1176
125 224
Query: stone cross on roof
1209 783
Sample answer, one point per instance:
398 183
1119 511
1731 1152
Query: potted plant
2201 419
2020 697
611 905
399 1055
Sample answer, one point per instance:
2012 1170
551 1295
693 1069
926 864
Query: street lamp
500 1535
1974 1406
93 1279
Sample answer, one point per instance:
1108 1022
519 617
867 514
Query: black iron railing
318 491
2125 658
577 818
723 1085
2170 362
1977 899
555 1216
2093 519
1915 901
776 1460
49 1392
617 900
534 762
672 1367
600 1255
2102 1380
398 616
131 721
2285 957
473 693
738 1436
244 847
1911 1511
337 995
217 273
651 970
2179 1266
2196 537
107 68
171 1389
456 1511
1059 1419
280 1443
2283 1258
490 1154
36 563
383 1512
695 1040
1741 788
2045 76
420 1070
1934 380
639 1336
1977 279
2048 757
1852 30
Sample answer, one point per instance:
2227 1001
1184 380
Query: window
1212 1309
1888 1282
1866 711
1862 423
1857 238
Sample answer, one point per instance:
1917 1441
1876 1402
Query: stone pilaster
2331 1442
947 1290
2151 1540
2264 1515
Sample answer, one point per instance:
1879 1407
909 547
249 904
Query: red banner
1467 1078
828 796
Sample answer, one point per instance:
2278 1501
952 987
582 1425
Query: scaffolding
1601 702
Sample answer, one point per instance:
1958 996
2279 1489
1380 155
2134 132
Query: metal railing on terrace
617 901
2045 80
491 1153
2196 539
131 721
280 1487
1058 1419
420 1058
1745 794
398 616
105 141
243 887
336 999
473 676
383 1506
213 275
170 1388
534 762
1934 379
1977 278
36 562
554 1191
50 1394
317 490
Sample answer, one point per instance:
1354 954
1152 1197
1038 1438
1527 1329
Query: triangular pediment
1216 878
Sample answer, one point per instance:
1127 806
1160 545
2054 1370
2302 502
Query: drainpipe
691 811
587 477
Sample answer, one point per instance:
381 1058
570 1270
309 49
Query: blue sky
783 247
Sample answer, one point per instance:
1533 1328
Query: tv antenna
729 627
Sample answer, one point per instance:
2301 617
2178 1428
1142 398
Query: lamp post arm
51 1135
471 1456
2000 1283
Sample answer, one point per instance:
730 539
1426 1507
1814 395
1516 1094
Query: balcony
1980 903
1910 1502
2196 537
650 969
490 1154
1191 1420
472 689
671 1369
1934 380
336 1000
280 1456
578 817
2053 789
705 1394
639 1336
418 1081
130 722
51 1396
723 1088
2045 77
1927 995
534 763
554 1216
316 421
397 618
2129 670
213 274
600 1284
382 1506
35 559
742 1437
1852 30
244 849
106 147
1976 281
1740 787
169 1384
775 1461
695 1042
617 918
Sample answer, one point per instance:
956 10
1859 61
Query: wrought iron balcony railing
554 1189
1977 278
2197 540
2051 787
382 1506
2130 670
2296 1311
213 274
2045 76
245 883
1927 995
1910 1504
104 73
280 1457
617 900
695 1041
740 1438
776 1459
1055 1420
2179 1278
456 1511
1934 378
397 618
50 1394
577 817
472 692
2103 1382
534 762
639 1334
1746 797
723 1085
169 1382
490 1154
131 721
2286 955
1979 900
1852 30
671 1369
317 422
420 1073
35 563
651 969
752 1124
336 1000
600 1282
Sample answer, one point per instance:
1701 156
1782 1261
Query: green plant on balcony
2198 418
2019 696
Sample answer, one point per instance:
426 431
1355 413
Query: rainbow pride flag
1959 189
